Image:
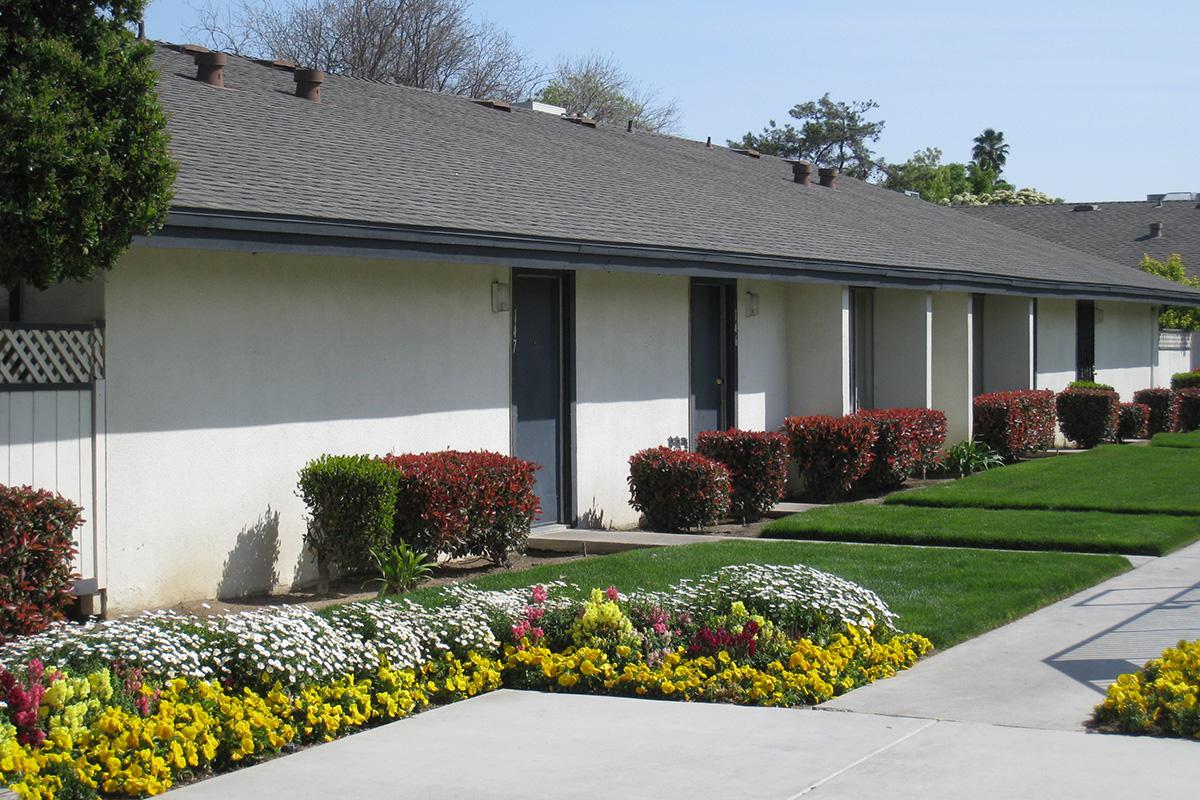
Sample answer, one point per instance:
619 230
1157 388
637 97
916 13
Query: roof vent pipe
210 68
308 83
828 177
802 173
1156 230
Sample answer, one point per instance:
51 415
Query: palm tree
990 151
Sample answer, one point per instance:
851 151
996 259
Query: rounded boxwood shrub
1185 410
464 503
1017 423
1090 385
1159 403
1088 416
351 504
1185 380
757 464
1134 421
831 453
37 548
676 490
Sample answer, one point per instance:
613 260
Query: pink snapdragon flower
612 594
539 594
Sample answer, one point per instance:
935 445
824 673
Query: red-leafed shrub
677 490
1088 416
1017 423
1134 421
895 451
36 550
832 453
757 464
464 503
1185 410
928 426
1159 402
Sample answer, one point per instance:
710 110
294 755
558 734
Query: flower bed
133 707
1162 698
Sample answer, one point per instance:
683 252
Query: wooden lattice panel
49 356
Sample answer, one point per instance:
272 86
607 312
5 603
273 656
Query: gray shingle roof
377 153
1117 231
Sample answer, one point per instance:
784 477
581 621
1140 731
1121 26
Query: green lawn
1079 531
947 594
1186 440
1122 479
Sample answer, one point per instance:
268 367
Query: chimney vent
210 68
1086 207
1156 230
802 173
308 83
708 143
828 177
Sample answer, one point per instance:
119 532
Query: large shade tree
831 133
83 143
430 44
596 86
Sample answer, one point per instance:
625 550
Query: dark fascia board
240 232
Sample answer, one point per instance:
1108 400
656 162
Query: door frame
729 353
566 434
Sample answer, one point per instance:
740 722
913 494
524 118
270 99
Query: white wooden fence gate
52 426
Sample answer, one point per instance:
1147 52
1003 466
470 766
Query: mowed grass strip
1182 440
1070 531
1121 479
947 594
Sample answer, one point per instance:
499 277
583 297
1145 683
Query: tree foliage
830 133
990 150
596 86
83 159
430 44
1172 269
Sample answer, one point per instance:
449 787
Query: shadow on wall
593 519
304 574
250 567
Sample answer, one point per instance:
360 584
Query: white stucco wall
72 302
951 359
1007 343
632 384
227 372
818 354
903 351
1055 343
762 386
1126 346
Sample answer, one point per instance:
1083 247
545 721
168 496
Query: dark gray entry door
538 383
711 357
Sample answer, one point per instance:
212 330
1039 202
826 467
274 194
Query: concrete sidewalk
1050 668
509 745
999 716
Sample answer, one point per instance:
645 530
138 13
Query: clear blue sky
1098 100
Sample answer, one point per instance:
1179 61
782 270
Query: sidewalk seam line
865 758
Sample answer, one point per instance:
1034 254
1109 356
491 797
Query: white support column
952 370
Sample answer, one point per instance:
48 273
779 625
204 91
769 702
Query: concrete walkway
1049 669
997 717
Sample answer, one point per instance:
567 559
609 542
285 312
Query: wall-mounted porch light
500 297
751 304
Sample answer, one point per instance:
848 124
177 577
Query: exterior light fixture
751 304
500 297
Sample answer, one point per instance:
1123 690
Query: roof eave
245 232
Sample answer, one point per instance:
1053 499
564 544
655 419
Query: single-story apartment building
351 267
1165 224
